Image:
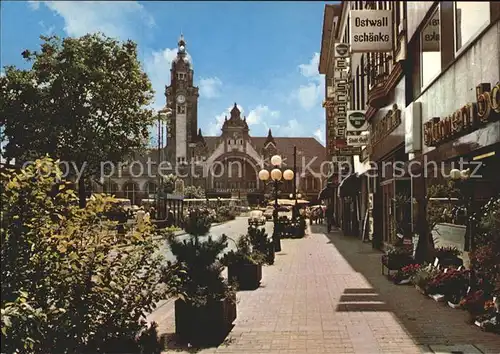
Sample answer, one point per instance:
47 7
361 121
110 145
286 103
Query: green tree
70 282
84 100
194 192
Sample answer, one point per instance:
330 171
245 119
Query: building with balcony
431 102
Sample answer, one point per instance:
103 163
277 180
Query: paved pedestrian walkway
325 294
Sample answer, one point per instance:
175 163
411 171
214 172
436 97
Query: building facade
226 165
431 101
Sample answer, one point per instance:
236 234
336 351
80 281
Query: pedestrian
152 213
139 216
329 217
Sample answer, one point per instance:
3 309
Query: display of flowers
447 252
424 275
406 273
474 302
452 284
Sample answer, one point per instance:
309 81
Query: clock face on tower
181 99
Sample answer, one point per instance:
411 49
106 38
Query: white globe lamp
288 175
276 160
455 174
276 174
263 175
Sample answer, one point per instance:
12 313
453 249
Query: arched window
151 190
110 187
131 192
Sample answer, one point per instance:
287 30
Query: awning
350 186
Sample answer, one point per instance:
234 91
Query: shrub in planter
70 282
206 304
244 265
423 276
261 243
397 257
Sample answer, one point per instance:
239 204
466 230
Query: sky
262 55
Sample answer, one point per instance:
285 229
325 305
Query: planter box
248 276
395 262
451 262
204 324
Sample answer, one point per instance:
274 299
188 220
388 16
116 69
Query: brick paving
326 294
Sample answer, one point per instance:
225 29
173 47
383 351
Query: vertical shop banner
341 89
371 31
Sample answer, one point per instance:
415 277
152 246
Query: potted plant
451 284
206 304
397 257
423 276
474 304
406 273
244 266
448 256
261 243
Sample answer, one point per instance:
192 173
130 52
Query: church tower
182 98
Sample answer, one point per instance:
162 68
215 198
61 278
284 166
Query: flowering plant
447 252
406 272
452 284
424 275
474 302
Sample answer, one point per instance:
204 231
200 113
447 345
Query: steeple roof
270 138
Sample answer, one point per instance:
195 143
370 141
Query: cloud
261 114
118 19
215 127
320 135
309 95
291 128
210 87
157 65
310 69
34 5
47 31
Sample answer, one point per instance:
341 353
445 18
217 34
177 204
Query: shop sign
348 151
341 88
430 35
413 127
354 139
341 50
340 159
356 121
371 31
486 109
386 125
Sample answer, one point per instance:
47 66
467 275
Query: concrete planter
247 276
207 324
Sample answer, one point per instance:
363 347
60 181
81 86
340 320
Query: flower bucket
453 306
437 297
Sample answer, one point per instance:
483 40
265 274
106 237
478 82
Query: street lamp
163 115
276 178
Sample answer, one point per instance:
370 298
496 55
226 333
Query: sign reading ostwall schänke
371 31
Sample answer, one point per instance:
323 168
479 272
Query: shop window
430 49
470 17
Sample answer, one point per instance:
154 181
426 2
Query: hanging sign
356 121
371 31
354 139
341 88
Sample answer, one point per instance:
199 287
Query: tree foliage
83 101
197 267
194 192
70 282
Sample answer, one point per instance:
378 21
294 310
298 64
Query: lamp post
462 180
163 115
276 178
